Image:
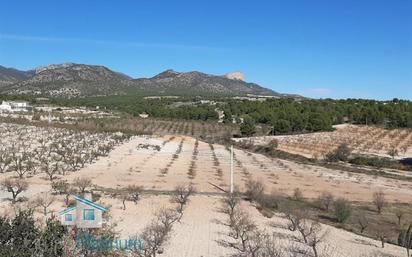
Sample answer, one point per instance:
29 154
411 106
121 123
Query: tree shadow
406 161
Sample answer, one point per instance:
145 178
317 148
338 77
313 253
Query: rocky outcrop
237 75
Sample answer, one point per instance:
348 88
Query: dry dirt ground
202 228
181 161
128 165
361 139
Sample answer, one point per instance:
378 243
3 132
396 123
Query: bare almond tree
45 200
315 235
14 186
241 228
50 167
399 213
152 238
269 246
393 152
123 197
325 200
5 160
157 233
405 239
181 196
362 221
82 184
381 234
62 187
295 216
134 193
297 194
246 239
130 193
379 200
229 204
404 148
310 231
167 217
21 162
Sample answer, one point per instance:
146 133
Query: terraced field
361 139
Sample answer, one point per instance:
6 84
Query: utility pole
231 169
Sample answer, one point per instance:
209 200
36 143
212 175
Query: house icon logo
86 213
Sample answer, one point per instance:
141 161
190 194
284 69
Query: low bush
342 210
269 200
339 154
254 190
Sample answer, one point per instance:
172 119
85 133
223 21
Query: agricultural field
210 131
110 163
365 140
28 150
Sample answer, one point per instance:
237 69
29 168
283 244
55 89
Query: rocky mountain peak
236 75
53 66
167 74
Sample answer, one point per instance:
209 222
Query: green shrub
339 154
20 237
270 201
248 128
60 187
36 116
342 209
254 190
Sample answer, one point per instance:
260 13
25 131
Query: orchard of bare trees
359 139
157 233
27 150
247 239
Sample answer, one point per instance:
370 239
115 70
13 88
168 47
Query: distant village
14 106
45 112
23 109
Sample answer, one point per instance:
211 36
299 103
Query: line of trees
284 115
290 116
182 108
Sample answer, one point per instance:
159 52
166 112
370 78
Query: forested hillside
284 115
287 115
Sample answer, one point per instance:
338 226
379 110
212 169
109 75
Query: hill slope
10 75
194 82
71 79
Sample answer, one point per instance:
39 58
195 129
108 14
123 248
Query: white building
5 106
143 115
14 106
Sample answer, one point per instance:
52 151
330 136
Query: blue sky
334 48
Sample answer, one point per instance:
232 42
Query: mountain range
79 80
